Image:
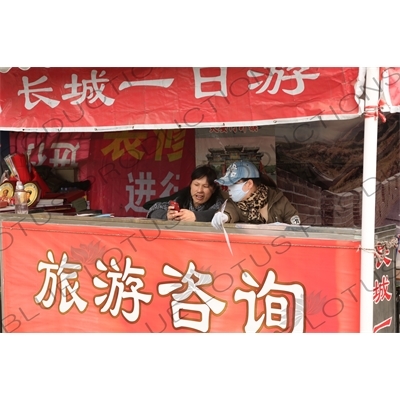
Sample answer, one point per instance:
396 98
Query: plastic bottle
20 199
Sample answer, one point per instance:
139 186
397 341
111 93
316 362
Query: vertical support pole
369 199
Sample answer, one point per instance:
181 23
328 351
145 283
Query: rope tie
374 112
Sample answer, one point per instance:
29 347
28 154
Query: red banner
390 89
129 168
125 169
74 278
110 99
53 149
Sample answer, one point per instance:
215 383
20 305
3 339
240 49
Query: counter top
304 231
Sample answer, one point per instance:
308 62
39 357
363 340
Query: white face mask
236 192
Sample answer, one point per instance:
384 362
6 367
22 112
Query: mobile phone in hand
175 205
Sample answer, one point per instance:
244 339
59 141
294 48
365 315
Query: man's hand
218 220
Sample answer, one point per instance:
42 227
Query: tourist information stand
67 274
88 274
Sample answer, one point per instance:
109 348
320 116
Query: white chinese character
66 271
199 80
165 83
27 91
169 187
276 307
41 157
280 76
124 285
210 303
69 154
90 89
144 192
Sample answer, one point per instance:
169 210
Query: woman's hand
186 215
172 215
183 215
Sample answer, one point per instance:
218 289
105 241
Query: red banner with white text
110 99
126 169
130 168
76 278
56 150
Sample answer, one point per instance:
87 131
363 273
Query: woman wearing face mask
253 198
198 202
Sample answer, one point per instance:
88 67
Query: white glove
218 220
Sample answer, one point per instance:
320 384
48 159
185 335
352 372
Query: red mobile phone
175 205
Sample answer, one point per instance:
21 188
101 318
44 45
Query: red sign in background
125 169
70 278
109 99
53 149
129 168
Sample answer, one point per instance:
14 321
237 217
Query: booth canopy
115 99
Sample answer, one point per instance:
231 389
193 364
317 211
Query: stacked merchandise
42 197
